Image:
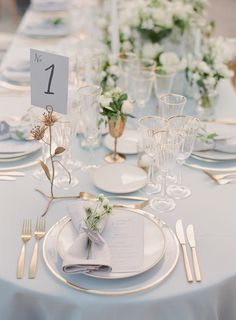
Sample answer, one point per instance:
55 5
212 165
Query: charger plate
213 165
117 287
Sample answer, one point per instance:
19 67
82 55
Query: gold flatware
220 176
230 121
181 237
7 178
90 196
12 173
192 244
139 205
38 234
25 236
225 181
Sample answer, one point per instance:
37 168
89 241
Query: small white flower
202 66
127 46
110 82
114 70
127 107
151 50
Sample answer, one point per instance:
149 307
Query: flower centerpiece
115 108
205 72
110 73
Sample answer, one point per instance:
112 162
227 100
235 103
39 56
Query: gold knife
181 237
192 243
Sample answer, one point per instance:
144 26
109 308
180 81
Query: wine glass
142 82
126 63
149 126
145 64
171 104
186 126
167 146
164 78
89 119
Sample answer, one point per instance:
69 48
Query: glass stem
179 172
163 185
151 172
115 149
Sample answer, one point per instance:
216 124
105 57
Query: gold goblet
116 129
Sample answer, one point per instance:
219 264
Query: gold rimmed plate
114 287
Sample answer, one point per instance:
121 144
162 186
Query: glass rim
97 90
161 98
150 117
168 75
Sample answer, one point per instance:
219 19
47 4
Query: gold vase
116 129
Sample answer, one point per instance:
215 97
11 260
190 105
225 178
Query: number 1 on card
52 66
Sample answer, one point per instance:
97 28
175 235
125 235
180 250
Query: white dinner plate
127 143
29 148
154 245
83 283
214 155
221 166
119 178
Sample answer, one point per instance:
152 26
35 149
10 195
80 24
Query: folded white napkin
225 141
46 28
49 5
16 130
76 258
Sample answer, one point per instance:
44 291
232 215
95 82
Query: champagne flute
171 104
149 126
188 127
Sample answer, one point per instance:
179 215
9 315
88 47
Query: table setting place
122 147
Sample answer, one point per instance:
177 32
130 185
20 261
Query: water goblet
89 120
126 63
148 127
186 126
167 146
142 82
164 78
171 104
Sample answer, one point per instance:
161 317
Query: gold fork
38 234
25 236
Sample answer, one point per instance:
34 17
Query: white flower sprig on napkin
94 220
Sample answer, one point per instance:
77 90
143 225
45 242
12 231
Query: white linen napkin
225 141
46 28
16 130
76 258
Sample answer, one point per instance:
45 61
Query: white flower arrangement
115 104
110 73
206 71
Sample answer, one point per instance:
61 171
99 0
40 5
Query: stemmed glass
145 64
148 127
171 104
187 127
126 63
142 81
89 119
167 146
164 78
63 133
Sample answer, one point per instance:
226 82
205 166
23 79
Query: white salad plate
119 178
127 143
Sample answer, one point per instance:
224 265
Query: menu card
124 233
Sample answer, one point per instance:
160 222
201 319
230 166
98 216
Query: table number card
49 80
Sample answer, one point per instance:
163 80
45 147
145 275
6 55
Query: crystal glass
126 63
62 134
145 64
171 104
89 119
187 127
142 82
167 146
148 127
164 78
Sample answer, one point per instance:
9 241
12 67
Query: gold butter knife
192 243
181 237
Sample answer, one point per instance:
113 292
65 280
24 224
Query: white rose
127 107
127 46
202 66
151 50
110 82
169 59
